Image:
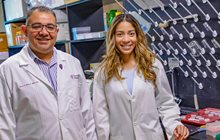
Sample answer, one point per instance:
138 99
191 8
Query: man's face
41 38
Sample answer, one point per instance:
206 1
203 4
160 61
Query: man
43 91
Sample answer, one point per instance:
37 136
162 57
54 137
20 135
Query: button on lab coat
31 110
120 116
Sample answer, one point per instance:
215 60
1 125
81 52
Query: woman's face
125 38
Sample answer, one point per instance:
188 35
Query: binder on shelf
79 31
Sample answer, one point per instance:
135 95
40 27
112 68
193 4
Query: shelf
22 19
16 46
60 7
88 40
62 42
12 50
87 2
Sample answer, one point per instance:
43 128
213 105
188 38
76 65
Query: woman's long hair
112 60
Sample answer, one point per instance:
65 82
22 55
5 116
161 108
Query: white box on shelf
98 34
57 3
11 29
79 31
63 33
15 9
61 16
89 35
79 36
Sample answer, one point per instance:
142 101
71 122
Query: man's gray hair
39 9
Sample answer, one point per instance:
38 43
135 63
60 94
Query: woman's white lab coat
31 110
120 116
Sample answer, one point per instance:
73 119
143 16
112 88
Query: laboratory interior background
184 34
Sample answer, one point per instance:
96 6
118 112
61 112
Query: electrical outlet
173 63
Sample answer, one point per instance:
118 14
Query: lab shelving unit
195 84
80 13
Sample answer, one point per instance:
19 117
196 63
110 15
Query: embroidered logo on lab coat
74 76
28 84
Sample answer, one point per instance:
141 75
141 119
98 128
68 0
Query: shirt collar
35 58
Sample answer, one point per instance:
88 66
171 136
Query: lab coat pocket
83 134
26 91
148 118
150 126
73 102
151 135
116 138
74 80
157 136
72 97
73 107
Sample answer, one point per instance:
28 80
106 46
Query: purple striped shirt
49 70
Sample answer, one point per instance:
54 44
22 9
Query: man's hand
181 132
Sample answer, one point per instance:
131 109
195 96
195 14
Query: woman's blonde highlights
112 60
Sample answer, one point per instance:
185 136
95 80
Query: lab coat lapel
137 77
123 82
124 85
136 81
35 71
29 65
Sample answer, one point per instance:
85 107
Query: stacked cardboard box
11 30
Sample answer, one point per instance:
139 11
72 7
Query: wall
187 86
1 18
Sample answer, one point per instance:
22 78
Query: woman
131 90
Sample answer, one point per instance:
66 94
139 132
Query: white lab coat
31 110
120 116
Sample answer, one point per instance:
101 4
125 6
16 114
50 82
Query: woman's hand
181 132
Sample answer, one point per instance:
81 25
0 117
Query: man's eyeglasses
37 27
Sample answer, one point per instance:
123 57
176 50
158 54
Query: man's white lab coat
120 116
31 110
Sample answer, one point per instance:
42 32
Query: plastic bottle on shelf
22 38
118 13
18 38
217 137
105 17
111 16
